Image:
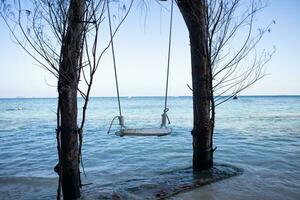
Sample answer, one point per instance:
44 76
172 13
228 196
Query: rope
114 58
169 56
164 115
121 123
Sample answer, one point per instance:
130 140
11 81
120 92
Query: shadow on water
162 186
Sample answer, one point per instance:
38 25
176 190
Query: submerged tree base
163 186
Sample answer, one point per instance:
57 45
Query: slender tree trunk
194 14
67 88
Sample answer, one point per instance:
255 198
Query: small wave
27 188
16 109
27 180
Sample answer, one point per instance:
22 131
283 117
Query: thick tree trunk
67 88
194 14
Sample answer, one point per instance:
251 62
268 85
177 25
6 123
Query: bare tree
224 61
62 36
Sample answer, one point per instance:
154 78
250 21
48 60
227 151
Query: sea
259 134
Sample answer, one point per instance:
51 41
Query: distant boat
235 97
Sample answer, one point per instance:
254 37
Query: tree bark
194 13
67 89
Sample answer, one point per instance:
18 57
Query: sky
141 52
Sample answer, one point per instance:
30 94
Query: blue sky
141 51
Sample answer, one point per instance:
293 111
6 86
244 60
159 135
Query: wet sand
248 186
163 186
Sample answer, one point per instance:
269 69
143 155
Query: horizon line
141 96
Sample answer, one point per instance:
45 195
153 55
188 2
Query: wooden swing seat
144 132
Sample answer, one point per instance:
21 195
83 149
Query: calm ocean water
259 134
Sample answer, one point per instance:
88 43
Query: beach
259 134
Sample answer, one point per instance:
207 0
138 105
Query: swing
163 130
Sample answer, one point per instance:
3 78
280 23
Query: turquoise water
259 134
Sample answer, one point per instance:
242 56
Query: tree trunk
67 89
194 13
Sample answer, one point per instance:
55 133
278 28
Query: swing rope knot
164 118
121 123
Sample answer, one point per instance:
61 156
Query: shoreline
166 185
